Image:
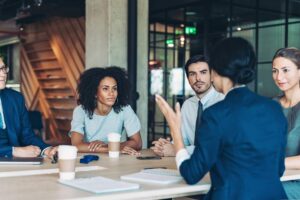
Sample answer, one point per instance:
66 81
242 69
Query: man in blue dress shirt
198 74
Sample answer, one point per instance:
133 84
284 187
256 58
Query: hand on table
130 151
50 152
163 147
95 145
28 151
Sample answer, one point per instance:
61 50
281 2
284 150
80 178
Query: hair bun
245 76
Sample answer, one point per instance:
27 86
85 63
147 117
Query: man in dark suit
16 136
241 140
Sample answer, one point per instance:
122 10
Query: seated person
199 77
241 140
103 108
286 70
16 135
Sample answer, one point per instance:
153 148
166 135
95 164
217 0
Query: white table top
45 186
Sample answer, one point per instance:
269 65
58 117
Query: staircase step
62 102
37 44
63 118
70 107
46 68
42 59
58 92
50 77
38 50
56 87
55 97
35 41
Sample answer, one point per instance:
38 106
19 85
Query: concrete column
106 44
142 67
106 33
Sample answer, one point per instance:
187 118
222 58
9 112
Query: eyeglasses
4 69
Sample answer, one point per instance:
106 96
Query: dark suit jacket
241 142
17 123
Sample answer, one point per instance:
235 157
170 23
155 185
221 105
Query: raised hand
174 120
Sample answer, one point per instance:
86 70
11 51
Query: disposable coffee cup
67 155
114 145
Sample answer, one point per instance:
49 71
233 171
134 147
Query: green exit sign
190 30
170 41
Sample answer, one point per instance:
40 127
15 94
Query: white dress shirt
189 115
2 115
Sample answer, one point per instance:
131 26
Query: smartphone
148 157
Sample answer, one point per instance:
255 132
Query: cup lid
114 137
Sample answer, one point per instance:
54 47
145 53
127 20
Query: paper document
45 171
156 176
100 184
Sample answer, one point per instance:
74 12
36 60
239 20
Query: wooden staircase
54 86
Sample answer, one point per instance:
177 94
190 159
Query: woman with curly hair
103 108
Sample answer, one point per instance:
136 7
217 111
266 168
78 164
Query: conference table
16 183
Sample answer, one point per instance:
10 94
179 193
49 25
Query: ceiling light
190 13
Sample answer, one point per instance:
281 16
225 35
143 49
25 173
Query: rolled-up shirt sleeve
131 121
77 124
181 156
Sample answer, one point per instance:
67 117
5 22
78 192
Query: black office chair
36 120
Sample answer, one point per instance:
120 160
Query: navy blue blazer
17 123
241 142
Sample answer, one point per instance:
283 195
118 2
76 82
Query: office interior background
37 36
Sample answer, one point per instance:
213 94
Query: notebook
100 184
155 176
21 161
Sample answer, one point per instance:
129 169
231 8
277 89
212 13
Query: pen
54 158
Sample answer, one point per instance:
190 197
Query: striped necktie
198 120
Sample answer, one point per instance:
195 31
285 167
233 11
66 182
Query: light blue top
100 126
189 115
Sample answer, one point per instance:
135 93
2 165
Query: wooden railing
67 39
34 97
52 59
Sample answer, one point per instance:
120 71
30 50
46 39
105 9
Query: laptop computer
21 161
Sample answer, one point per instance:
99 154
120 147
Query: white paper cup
114 145
67 155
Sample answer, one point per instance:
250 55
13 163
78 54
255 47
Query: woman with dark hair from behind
241 140
286 75
103 108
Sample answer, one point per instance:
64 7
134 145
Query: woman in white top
103 108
